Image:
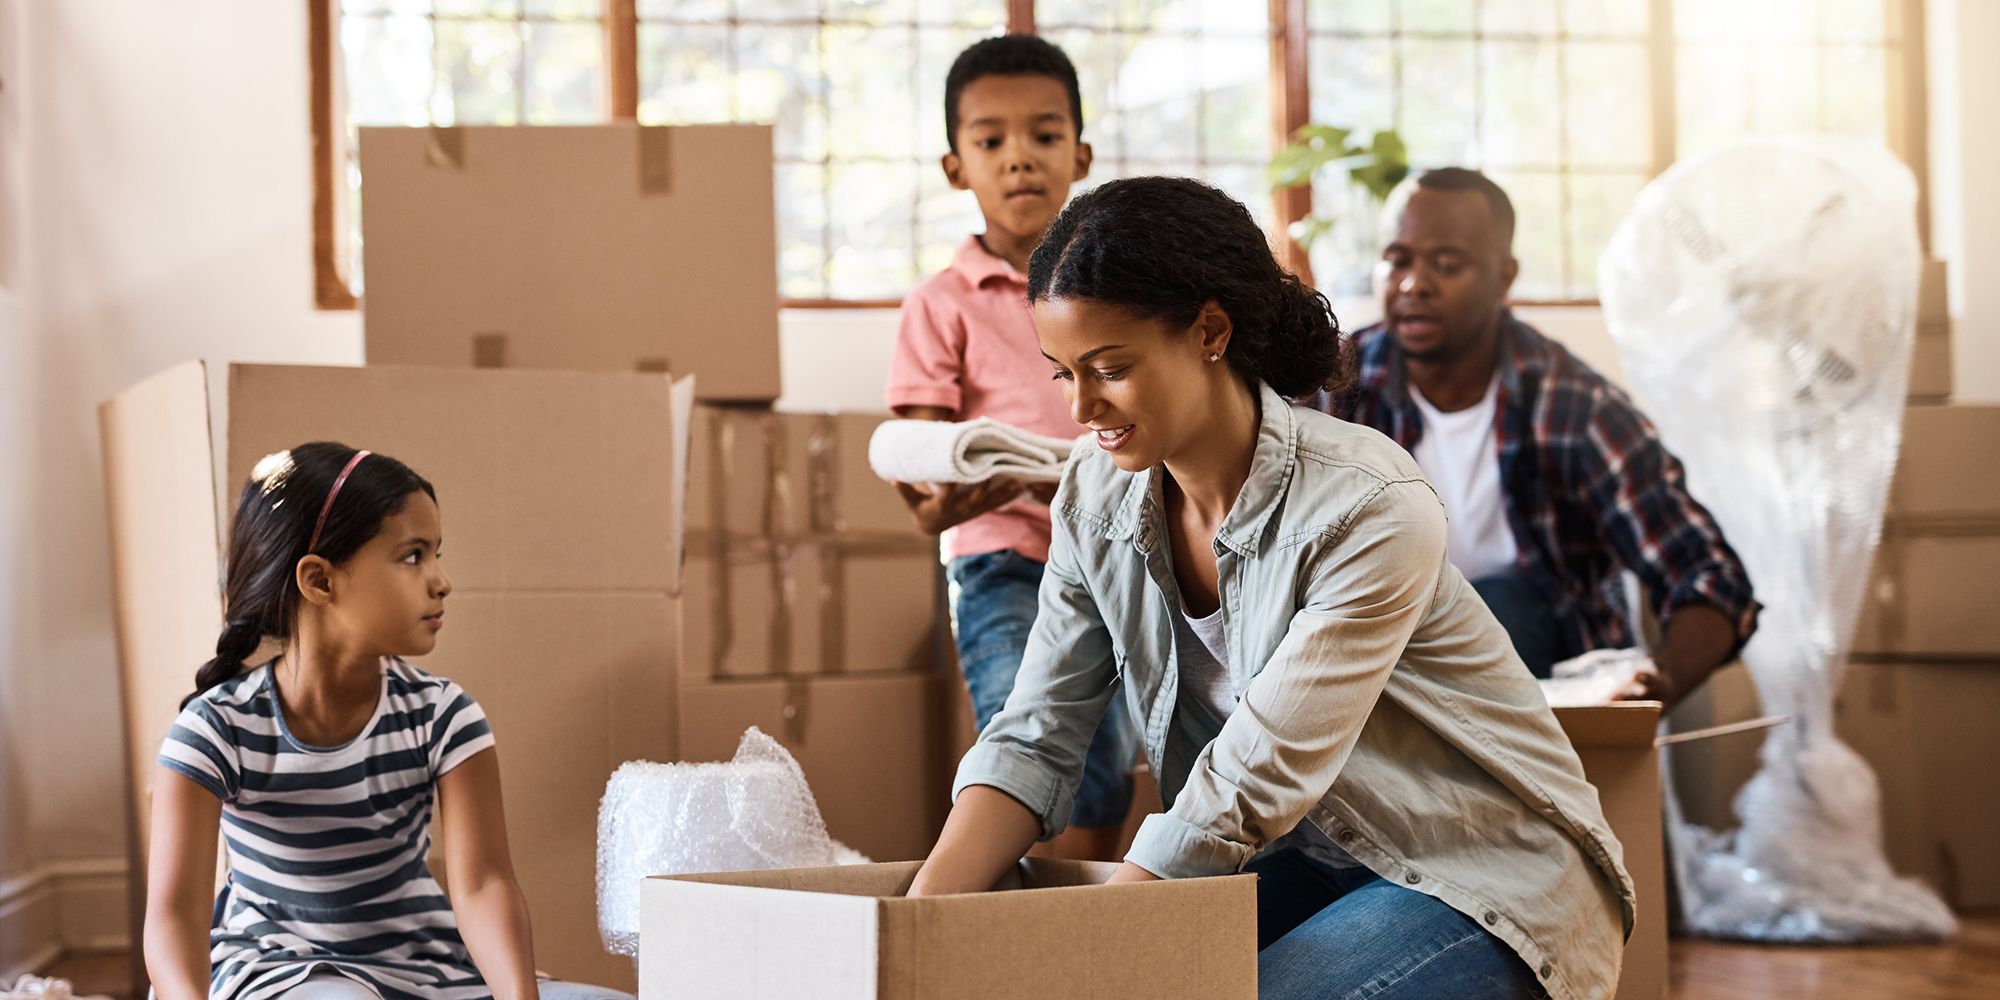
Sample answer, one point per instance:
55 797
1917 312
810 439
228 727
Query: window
1571 104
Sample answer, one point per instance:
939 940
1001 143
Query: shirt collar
978 267
1140 513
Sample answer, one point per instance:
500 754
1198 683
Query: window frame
1904 101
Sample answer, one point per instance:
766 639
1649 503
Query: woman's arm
985 834
492 913
180 885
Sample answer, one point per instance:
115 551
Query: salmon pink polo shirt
968 344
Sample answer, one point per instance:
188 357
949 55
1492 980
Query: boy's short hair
1009 55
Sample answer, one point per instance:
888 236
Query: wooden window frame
1291 106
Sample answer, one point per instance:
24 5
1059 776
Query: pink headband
325 508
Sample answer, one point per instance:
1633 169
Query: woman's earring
1212 356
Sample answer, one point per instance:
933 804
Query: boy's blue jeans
994 611
1326 933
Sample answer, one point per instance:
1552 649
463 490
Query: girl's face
1140 387
389 597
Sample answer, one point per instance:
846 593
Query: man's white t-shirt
1460 455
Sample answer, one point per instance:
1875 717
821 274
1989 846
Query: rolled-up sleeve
1033 749
1279 752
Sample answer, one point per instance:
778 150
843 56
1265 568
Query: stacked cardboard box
1930 356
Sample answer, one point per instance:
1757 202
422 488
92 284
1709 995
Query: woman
1323 699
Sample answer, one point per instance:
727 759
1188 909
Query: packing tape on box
774 544
1887 592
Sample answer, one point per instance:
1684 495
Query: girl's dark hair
275 517
1161 247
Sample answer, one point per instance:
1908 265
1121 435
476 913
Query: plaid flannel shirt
1587 485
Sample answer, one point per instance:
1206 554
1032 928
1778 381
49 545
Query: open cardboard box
613 247
1051 930
560 502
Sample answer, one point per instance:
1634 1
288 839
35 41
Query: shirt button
1413 878
1492 918
1546 969
1347 836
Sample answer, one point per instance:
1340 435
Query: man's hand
950 504
1042 492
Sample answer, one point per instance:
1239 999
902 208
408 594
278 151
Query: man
1550 478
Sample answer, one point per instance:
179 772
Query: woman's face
1140 387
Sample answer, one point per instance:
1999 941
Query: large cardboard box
800 560
1616 745
872 749
1930 356
852 934
1927 729
1930 594
559 499
608 247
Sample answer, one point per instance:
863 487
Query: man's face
1444 273
1017 151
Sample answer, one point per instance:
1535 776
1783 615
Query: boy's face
1017 151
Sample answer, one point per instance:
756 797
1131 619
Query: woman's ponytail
240 638
1163 247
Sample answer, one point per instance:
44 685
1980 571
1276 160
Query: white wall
1964 78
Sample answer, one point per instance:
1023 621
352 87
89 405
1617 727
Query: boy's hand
950 504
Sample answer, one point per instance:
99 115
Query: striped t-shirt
327 844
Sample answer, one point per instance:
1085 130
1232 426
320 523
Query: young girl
321 766
1323 699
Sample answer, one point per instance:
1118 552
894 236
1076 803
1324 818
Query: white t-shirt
1460 455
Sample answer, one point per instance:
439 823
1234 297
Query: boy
967 348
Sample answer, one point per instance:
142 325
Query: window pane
1155 99
1596 204
1853 103
387 68
477 64
984 14
565 73
875 115
1854 20
1436 119
778 80
1437 15
1712 83
1246 184
1606 17
489 9
688 81
715 10
1533 17
1354 83
801 193
563 9
389 6
1522 123
1236 99
1370 16
1343 259
945 217
1608 113
1538 232
872 228
1784 88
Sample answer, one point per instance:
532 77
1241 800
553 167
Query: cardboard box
1927 729
800 560
851 934
612 247
559 499
1930 589
872 749
1616 745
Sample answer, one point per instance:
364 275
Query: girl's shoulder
247 694
409 681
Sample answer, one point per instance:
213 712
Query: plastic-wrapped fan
748 813
1763 298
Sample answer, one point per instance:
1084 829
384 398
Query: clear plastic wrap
1598 677
1763 298
751 812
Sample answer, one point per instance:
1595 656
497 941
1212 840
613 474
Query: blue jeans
997 600
1525 614
1326 933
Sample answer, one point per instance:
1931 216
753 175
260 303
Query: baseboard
62 907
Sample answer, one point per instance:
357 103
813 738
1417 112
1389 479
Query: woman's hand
986 833
1129 872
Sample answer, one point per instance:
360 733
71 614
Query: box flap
161 501
1626 723
527 464
683 429
722 941
659 254
882 880
1726 729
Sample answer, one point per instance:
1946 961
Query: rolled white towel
934 451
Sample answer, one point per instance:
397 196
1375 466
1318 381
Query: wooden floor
1966 969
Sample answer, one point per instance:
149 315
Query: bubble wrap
1598 677
670 819
1763 298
